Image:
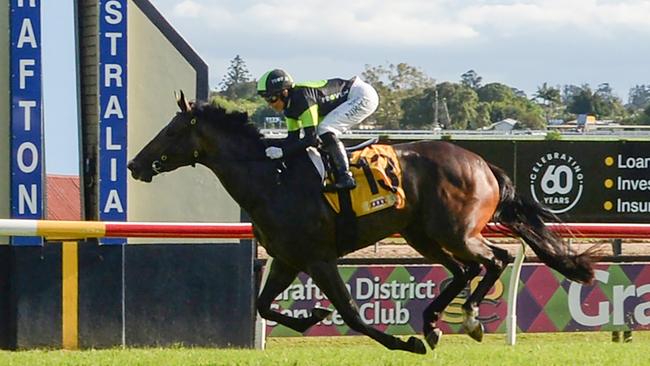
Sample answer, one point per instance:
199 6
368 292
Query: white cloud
503 40
188 8
590 17
367 22
415 22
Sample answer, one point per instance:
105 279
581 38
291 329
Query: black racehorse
451 194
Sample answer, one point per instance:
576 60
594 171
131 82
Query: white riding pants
362 102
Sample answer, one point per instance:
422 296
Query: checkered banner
392 298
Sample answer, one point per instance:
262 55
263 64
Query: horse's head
176 145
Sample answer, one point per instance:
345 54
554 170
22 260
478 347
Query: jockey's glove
274 152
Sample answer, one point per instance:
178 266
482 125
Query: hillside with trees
411 99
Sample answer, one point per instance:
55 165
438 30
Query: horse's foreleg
494 266
280 277
327 278
461 276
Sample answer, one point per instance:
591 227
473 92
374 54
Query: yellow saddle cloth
379 181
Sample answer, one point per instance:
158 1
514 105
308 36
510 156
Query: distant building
507 124
63 197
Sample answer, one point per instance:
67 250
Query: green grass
532 349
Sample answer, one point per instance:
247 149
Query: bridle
280 166
157 165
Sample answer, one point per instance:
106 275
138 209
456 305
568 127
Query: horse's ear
182 103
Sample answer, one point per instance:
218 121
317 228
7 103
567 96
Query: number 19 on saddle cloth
379 181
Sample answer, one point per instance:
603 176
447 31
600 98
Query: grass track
532 349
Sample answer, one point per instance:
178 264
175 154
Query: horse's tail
526 218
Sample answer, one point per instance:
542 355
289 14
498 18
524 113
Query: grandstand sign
27 169
113 112
392 298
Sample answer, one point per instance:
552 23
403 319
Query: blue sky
522 43
59 88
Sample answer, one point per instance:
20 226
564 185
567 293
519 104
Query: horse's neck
244 178
256 183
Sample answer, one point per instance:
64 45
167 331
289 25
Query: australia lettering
113 110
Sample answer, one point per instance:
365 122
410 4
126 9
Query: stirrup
344 184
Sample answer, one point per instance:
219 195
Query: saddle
376 169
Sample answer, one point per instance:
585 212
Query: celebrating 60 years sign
392 299
588 181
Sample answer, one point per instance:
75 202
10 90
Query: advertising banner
392 298
587 181
27 168
113 113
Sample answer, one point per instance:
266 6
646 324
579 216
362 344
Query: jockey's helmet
273 82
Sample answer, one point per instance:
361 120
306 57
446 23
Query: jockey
326 108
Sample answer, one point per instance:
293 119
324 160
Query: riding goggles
271 98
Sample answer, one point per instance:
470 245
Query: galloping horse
451 194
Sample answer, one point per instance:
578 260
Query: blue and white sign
112 113
27 168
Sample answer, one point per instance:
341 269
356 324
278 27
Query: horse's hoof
321 313
433 338
476 333
415 345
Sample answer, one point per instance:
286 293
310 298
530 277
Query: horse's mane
230 122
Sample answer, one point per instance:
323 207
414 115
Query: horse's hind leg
280 277
327 278
494 260
461 275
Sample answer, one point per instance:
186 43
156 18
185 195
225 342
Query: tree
461 102
549 98
418 110
507 102
639 97
237 81
582 101
240 105
548 95
471 79
602 103
607 104
495 92
644 118
394 84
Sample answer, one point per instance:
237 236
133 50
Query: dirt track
398 249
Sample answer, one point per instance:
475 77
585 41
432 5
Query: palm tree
550 98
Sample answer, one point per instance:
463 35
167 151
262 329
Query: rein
157 165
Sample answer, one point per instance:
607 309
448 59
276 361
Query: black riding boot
339 158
